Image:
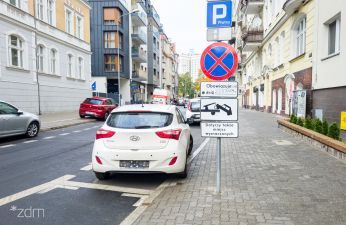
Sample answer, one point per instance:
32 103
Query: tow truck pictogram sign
216 109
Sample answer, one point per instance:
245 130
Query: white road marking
97 126
57 186
28 142
64 134
139 202
87 129
33 190
77 131
107 187
130 219
198 150
50 137
7 146
86 168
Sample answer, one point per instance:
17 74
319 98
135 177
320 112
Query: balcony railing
139 37
153 14
252 38
252 6
139 19
139 55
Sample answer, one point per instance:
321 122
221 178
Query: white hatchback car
142 138
193 112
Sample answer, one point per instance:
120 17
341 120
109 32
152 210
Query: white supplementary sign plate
216 109
219 89
220 129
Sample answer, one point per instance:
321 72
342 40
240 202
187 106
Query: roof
146 107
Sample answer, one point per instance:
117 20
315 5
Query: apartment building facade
110 45
45 54
329 67
169 72
276 52
190 63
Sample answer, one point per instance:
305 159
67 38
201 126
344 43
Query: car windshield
195 106
139 120
93 101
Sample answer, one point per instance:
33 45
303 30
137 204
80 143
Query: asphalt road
28 167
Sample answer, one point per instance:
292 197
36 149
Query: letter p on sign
219 14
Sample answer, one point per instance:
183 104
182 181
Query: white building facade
190 63
43 68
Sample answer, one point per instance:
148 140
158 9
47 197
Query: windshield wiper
146 127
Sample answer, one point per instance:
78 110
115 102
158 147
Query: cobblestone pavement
268 177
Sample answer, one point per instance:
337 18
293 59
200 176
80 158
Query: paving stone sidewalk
62 119
268 177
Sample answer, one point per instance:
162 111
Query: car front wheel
32 129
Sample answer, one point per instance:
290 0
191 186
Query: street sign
219 14
219 89
217 109
219 61
219 34
220 129
93 86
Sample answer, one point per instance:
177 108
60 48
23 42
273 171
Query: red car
97 107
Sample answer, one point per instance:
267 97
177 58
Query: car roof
146 108
195 100
99 98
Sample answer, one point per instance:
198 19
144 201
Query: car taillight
102 133
169 134
189 106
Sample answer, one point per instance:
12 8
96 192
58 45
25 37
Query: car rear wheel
81 116
32 129
102 176
183 174
190 145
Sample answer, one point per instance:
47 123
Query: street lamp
119 20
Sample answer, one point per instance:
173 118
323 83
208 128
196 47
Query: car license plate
133 164
89 113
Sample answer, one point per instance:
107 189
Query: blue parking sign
219 14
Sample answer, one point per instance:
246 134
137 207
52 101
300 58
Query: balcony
139 19
251 7
252 38
291 6
167 51
136 76
152 14
139 37
139 55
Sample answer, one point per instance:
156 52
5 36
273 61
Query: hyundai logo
135 138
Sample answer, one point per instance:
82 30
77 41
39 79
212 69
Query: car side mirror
19 112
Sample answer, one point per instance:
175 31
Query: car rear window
195 106
139 120
93 101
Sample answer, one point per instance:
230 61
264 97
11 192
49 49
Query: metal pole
118 42
37 76
218 166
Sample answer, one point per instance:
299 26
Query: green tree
186 86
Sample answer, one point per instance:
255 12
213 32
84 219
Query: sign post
219 100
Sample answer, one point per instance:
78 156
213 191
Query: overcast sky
184 21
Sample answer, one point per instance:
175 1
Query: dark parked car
97 107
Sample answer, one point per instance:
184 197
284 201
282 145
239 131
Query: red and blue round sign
219 61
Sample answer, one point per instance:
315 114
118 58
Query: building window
277 52
53 60
68 21
300 32
112 16
50 11
40 9
80 67
109 39
15 3
70 65
16 51
282 47
111 63
40 57
334 37
79 27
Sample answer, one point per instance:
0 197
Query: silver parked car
16 122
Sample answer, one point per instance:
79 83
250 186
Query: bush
308 123
300 122
325 127
318 126
293 119
334 131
